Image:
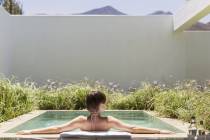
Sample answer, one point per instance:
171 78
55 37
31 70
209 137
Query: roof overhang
190 13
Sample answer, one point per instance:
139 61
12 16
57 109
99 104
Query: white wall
4 41
114 48
198 55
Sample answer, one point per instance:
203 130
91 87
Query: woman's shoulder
111 119
81 118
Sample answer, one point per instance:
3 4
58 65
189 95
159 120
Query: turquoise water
51 118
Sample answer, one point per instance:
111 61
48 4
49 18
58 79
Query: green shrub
141 99
49 100
15 99
144 97
199 106
77 95
124 103
68 97
168 103
189 106
73 97
202 111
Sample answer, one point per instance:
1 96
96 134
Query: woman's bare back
99 124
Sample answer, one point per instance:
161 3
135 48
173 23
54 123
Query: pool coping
12 123
5 126
179 124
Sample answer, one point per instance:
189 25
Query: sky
130 7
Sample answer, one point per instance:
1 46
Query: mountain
200 26
161 13
107 10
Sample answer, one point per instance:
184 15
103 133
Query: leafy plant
184 100
14 7
168 103
15 99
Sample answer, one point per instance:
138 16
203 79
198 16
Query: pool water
50 118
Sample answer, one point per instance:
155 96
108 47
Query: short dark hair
94 99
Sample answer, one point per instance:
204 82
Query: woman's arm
73 124
117 124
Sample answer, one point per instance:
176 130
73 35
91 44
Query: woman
95 102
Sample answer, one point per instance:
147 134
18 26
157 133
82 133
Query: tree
13 7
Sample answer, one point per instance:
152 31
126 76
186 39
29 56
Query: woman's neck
95 114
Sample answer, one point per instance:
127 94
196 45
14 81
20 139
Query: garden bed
182 101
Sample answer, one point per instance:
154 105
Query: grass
182 101
15 99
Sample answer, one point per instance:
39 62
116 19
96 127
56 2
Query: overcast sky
130 7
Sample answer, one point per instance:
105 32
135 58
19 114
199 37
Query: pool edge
5 126
12 123
179 124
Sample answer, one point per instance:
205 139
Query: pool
50 118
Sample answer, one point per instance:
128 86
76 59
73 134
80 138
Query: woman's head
95 101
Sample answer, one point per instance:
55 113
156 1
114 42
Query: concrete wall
4 41
198 55
114 48
123 49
